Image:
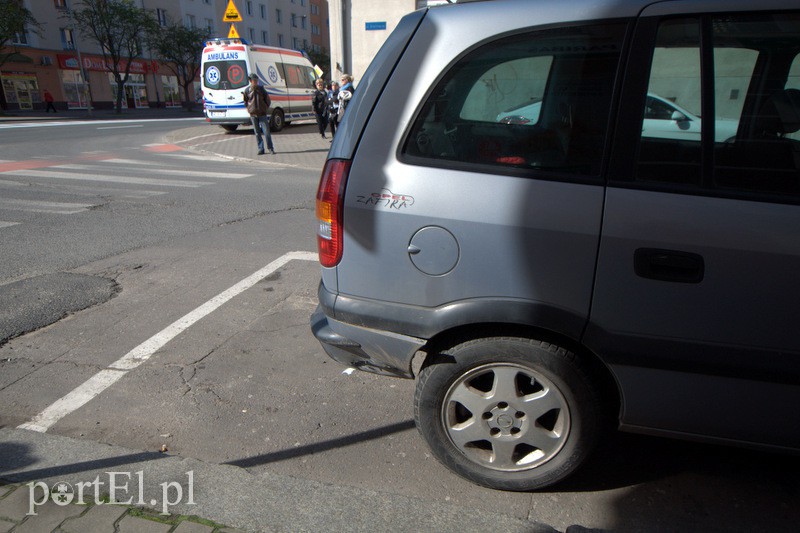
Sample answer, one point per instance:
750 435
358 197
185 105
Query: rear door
697 294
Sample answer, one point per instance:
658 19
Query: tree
320 58
180 48
14 20
119 27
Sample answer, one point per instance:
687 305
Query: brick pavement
15 516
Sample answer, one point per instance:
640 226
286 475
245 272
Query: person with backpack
257 102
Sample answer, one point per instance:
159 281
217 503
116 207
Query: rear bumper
371 350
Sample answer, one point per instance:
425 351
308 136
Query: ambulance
287 75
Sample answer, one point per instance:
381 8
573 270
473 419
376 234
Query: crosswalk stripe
106 178
61 208
215 158
190 173
131 162
4 224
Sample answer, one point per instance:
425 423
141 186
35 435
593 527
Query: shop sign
70 62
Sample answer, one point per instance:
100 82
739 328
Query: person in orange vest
49 99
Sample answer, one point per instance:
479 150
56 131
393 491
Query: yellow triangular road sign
233 34
231 14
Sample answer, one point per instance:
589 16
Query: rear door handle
668 265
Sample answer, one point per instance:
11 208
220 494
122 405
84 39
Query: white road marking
105 178
35 206
10 125
218 159
223 175
107 377
202 136
4 224
130 162
120 127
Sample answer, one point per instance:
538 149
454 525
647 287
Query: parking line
110 375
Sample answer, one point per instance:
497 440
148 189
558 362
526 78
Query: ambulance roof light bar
224 40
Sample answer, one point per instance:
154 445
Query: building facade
360 27
71 67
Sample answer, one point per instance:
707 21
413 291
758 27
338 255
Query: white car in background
662 119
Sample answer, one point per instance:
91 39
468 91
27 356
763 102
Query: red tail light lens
330 207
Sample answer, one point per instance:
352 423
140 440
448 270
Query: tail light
330 208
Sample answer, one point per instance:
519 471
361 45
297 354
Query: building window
161 15
264 37
280 39
302 3
67 41
278 16
210 25
60 4
191 22
314 9
249 7
252 34
20 37
315 29
263 9
294 20
303 21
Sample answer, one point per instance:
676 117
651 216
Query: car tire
508 413
230 128
276 122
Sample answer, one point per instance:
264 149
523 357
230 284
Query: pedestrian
320 106
49 99
345 94
257 102
333 107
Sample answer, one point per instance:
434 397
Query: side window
754 138
535 101
763 156
310 77
670 146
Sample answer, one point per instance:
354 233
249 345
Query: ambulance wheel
230 129
277 123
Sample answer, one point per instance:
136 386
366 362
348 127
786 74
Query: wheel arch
597 369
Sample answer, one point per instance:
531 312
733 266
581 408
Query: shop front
21 90
77 91
172 91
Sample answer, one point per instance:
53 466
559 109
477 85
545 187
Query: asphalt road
201 332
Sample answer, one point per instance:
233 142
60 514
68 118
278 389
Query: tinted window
225 75
536 101
752 144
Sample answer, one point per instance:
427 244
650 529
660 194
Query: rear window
225 75
539 101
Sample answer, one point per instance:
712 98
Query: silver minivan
549 278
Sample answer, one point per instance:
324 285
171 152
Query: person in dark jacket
333 107
319 103
257 102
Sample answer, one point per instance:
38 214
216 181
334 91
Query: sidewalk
220 494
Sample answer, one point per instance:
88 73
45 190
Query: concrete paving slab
135 524
97 518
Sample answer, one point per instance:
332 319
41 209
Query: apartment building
70 66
